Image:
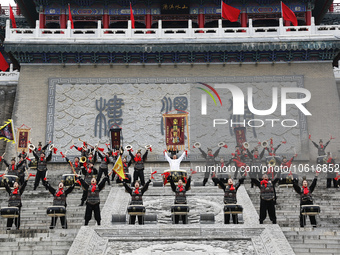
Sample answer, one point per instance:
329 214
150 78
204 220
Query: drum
224 177
10 212
11 179
272 160
136 210
310 209
69 180
176 175
33 163
179 209
56 211
321 159
288 179
233 209
128 176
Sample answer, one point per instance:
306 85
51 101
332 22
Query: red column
331 8
244 19
62 21
287 23
148 22
106 20
201 21
308 17
41 20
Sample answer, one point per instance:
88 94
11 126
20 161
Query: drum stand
55 223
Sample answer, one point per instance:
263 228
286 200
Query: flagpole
221 8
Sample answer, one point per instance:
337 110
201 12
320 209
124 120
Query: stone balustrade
198 35
12 76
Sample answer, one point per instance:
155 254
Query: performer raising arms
93 200
306 198
59 199
92 158
13 168
180 195
41 149
271 150
210 162
285 164
230 196
15 200
41 167
321 147
175 162
83 150
267 195
136 198
139 166
89 173
76 165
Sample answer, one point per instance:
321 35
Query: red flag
11 16
288 14
3 63
132 18
229 12
70 16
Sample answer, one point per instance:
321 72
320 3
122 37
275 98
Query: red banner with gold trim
240 133
23 138
175 126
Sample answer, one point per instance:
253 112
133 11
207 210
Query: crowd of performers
91 181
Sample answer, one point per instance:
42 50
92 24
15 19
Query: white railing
226 33
10 76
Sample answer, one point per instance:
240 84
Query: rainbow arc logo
204 97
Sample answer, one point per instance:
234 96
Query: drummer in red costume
306 198
136 198
267 197
59 199
230 196
41 149
41 167
93 200
13 168
15 200
139 160
180 195
89 173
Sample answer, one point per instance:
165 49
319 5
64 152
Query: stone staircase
325 239
34 236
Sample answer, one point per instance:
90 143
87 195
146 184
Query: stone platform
194 238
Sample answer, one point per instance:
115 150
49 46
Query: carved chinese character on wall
114 110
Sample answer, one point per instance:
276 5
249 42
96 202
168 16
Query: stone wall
132 83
